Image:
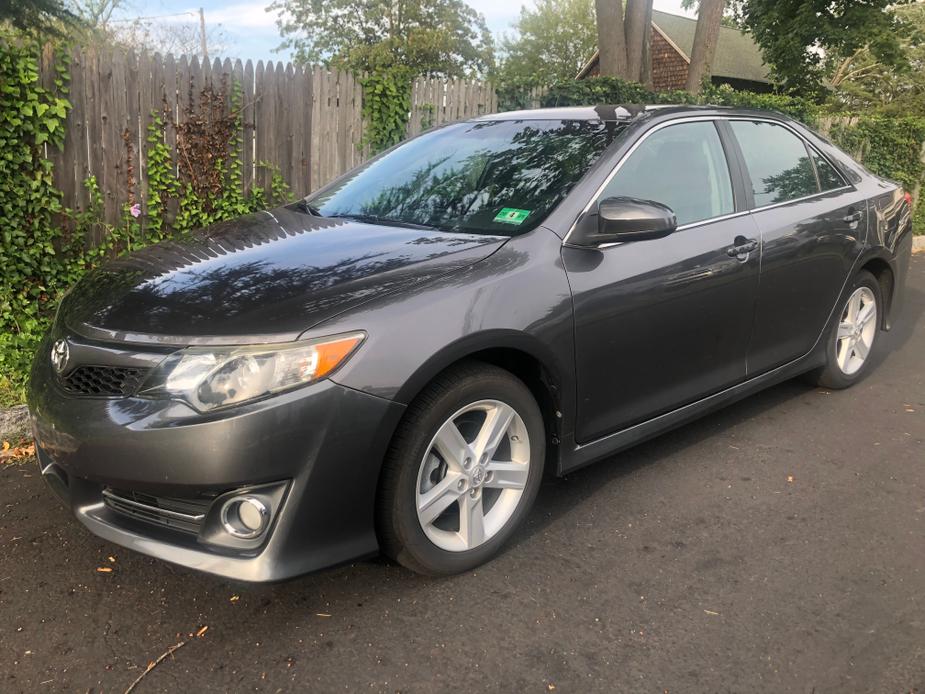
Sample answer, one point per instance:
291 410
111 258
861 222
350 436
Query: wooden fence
307 122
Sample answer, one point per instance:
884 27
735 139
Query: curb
918 244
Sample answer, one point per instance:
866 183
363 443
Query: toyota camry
391 364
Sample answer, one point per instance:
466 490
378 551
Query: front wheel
853 337
462 472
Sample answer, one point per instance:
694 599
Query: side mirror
628 219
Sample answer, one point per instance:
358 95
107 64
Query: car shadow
558 495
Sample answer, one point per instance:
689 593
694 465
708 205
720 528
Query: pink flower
135 210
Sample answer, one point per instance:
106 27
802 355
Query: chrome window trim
695 119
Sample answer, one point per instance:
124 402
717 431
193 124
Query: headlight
211 377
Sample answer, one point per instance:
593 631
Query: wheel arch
881 269
520 354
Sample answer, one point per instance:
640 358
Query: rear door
661 323
812 224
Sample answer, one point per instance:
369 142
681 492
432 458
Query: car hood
265 277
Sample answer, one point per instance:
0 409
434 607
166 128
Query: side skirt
576 455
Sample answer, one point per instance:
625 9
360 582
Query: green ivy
612 90
162 181
428 116
386 105
33 278
889 147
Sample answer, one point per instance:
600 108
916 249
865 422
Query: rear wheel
853 337
462 471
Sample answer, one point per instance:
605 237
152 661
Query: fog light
245 517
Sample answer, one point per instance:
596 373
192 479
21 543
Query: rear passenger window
682 166
777 162
829 178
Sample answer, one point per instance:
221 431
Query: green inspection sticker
511 215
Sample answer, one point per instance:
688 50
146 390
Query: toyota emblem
60 355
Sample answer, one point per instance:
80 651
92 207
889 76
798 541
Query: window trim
741 172
813 153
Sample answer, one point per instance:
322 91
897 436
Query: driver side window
682 166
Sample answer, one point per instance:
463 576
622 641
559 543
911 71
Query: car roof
618 112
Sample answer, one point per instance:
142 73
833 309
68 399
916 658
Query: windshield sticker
511 215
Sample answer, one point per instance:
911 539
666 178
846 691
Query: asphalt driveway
776 546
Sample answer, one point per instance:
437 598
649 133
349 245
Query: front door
662 323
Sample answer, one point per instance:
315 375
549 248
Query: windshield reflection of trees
533 172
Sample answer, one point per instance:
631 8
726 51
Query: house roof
737 55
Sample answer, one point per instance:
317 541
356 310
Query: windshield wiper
375 219
306 206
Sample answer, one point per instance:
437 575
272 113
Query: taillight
908 197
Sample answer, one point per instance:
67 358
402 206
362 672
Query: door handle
743 246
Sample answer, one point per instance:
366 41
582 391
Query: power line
156 16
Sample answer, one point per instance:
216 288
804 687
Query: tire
427 468
846 361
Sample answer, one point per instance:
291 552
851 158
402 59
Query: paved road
776 546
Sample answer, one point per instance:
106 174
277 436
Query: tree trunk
705 37
646 76
638 28
611 41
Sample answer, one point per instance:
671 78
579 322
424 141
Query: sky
250 31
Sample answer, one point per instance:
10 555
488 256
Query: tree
169 38
439 37
623 41
862 81
706 36
800 37
41 15
554 39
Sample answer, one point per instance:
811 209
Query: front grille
170 512
104 380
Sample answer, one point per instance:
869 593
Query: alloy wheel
857 329
473 475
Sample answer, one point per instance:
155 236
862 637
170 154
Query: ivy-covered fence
307 125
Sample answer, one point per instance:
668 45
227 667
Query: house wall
669 68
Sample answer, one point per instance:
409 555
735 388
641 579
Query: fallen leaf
235 598
104 569
201 631
6 445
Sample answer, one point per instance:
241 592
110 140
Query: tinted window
488 176
777 162
682 166
828 176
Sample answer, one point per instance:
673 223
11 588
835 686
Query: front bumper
322 445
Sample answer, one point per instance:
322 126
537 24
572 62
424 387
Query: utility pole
202 35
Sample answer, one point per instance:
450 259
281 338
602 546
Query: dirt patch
14 423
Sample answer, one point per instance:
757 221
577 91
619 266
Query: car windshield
495 176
